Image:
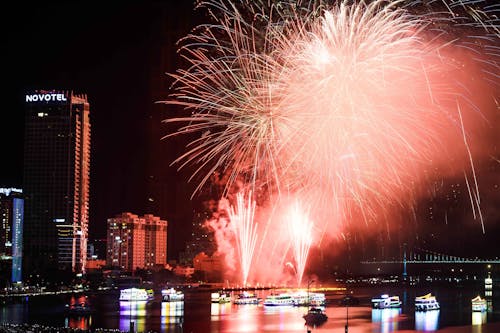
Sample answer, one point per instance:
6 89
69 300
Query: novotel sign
46 98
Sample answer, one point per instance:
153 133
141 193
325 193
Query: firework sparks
353 107
300 228
245 231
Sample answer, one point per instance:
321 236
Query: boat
279 300
172 295
426 303
479 304
136 294
386 302
246 298
302 298
317 299
79 309
315 316
220 297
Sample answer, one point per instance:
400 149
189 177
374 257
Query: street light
347 318
308 285
347 300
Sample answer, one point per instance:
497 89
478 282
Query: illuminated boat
246 298
172 295
220 297
317 299
386 302
479 304
80 309
279 300
303 298
315 316
426 303
136 294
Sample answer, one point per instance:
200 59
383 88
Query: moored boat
386 302
172 295
479 304
79 309
279 300
303 298
220 297
136 294
246 298
315 316
427 302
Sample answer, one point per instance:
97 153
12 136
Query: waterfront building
56 180
136 242
11 232
202 238
211 267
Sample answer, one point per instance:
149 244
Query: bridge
422 256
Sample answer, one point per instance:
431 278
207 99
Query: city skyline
119 57
115 56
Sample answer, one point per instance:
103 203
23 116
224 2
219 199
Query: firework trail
245 231
352 107
300 228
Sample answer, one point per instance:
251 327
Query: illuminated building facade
56 180
136 242
11 232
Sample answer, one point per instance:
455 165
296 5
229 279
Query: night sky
119 56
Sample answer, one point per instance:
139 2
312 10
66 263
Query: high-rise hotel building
56 180
136 242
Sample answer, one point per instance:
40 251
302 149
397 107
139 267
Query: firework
300 228
245 231
352 107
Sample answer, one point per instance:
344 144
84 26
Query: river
198 314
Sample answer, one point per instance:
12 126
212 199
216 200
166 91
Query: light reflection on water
478 318
198 314
427 320
218 310
172 315
387 318
132 314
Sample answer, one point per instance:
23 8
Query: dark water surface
198 314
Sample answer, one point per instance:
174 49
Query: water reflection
278 309
83 322
133 314
388 319
74 300
478 318
217 310
245 319
172 314
427 320
77 319
489 304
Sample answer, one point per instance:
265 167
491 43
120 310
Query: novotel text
46 98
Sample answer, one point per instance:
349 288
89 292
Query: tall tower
11 233
56 180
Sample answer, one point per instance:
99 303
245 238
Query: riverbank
35 328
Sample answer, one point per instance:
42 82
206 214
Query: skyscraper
136 242
56 180
11 233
